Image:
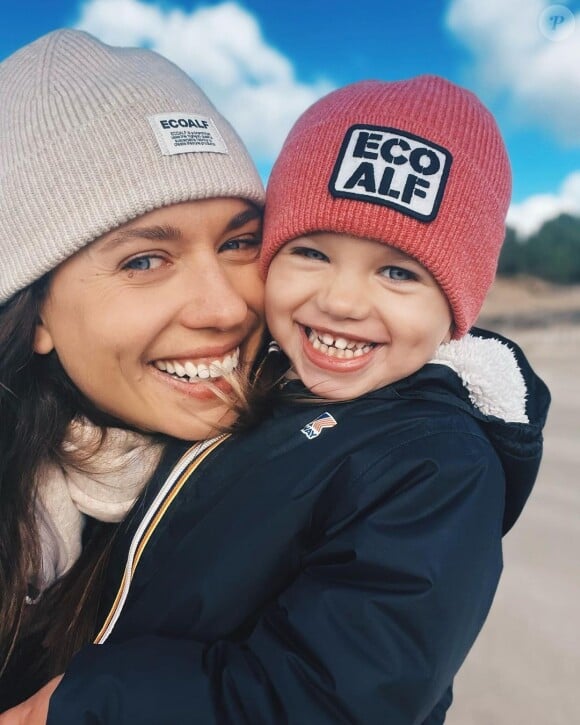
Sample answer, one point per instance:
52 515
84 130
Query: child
384 221
338 561
385 216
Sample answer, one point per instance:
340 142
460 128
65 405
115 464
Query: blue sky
263 62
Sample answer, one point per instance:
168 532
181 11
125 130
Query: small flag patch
315 427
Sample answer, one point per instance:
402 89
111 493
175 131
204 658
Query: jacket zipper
189 462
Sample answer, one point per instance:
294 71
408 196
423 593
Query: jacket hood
490 378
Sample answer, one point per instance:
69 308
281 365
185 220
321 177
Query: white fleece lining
489 371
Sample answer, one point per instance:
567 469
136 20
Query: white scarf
103 483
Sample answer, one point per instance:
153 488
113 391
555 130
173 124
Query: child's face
353 315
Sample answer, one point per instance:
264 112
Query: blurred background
263 63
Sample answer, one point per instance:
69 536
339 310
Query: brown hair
37 402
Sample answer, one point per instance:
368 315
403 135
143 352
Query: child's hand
33 711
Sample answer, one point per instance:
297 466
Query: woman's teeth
195 373
337 346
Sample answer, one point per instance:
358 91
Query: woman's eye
145 263
249 246
309 253
398 274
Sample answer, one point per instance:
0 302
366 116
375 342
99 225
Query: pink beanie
417 164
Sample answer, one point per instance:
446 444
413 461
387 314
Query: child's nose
345 295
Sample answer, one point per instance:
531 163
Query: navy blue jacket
319 580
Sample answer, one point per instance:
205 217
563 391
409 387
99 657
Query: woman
113 163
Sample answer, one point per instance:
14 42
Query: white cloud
221 48
541 76
528 217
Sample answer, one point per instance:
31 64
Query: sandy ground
525 667
530 303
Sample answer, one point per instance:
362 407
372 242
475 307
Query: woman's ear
43 343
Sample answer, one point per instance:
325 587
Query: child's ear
43 343
449 334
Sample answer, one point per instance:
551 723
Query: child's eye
309 253
144 263
398 274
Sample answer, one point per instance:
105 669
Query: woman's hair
266 387
37 403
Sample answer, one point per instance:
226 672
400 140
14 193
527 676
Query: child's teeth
337 347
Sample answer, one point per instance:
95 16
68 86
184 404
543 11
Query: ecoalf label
391 167
184 133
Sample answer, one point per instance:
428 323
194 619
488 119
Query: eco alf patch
185 133
391 167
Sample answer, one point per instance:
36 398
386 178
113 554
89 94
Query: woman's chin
199 426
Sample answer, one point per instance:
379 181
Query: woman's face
143 317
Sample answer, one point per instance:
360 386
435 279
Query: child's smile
336 352
353 314
337 346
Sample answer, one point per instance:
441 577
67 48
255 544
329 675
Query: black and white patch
391 167
185 133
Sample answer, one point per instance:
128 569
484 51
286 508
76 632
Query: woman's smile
197 377
196 370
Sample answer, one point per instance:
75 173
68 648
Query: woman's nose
212 300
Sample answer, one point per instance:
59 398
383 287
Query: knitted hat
93 136
417 164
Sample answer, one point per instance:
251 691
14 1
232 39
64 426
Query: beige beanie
93 136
